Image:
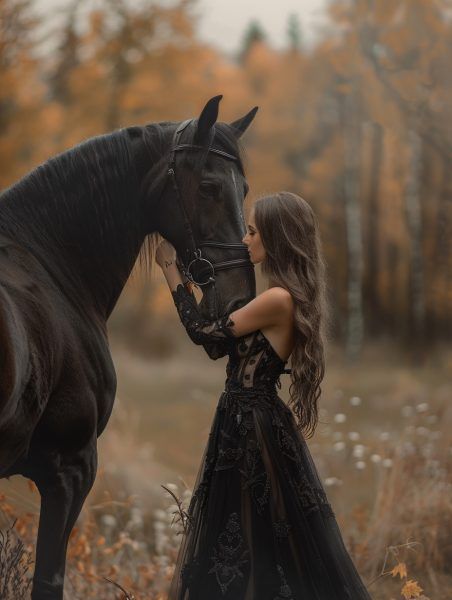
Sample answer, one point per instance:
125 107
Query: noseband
206 269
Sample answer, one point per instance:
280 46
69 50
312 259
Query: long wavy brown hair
290 235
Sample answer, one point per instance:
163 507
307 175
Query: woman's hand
165 254
166 258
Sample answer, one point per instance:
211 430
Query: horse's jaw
217 301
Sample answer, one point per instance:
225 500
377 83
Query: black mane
47 206
79 209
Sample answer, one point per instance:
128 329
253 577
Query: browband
197 147
182 127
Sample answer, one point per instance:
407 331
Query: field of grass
382 448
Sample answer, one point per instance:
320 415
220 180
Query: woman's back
282 336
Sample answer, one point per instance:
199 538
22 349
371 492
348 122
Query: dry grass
15 563
382 449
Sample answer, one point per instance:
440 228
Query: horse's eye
209 188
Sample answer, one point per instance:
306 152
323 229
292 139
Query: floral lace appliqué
214 335
285 593
282 529
230 554
313 499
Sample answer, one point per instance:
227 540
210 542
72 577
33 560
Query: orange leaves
344 88
97 21
137 63
22 525
399 569
80 566
342 59
411 589
32 486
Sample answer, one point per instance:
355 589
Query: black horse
70 233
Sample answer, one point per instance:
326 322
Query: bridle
208 269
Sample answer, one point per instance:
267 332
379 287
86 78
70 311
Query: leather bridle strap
195 249
196 147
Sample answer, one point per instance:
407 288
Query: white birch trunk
354 335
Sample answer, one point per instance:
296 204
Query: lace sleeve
215 336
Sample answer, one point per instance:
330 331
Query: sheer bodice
260 525
253 362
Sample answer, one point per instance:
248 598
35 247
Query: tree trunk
414 222
371 297
352 138
442 260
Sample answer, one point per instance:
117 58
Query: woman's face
253 240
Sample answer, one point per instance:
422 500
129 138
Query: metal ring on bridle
199 258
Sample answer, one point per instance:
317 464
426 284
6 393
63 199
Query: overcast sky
222 22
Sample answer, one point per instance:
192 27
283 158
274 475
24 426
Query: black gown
260 526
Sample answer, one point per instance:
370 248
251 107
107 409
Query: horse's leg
63 491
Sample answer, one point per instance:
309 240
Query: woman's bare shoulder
268 309
281 300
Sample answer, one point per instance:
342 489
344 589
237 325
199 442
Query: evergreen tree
294 32
254 33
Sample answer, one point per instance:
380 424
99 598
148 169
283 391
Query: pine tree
294 32
254 33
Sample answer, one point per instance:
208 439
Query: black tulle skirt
260 524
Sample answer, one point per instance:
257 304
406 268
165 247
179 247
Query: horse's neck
89 248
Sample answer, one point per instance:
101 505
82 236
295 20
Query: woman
260 524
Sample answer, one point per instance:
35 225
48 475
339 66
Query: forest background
360 125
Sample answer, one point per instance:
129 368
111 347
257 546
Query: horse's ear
241 125
207 120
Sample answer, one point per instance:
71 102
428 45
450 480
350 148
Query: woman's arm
166 258
269 308
214 336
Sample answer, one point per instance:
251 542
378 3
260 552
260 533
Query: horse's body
70 233
51 353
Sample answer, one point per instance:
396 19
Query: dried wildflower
411 589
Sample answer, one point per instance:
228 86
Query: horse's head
200 209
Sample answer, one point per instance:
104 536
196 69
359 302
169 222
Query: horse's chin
210 311
207 306
212 308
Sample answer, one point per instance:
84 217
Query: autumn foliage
359 125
